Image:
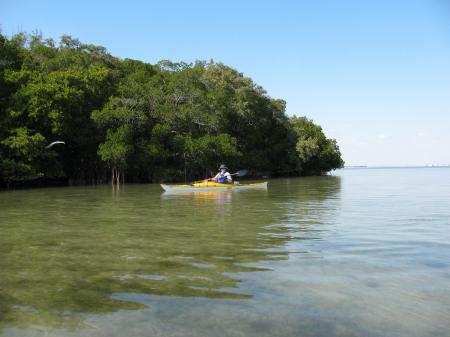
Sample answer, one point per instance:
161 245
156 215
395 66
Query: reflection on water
66 251
363 253
219 200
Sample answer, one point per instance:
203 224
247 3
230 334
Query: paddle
240 173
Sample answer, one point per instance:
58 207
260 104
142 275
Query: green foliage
24 145
25 157
207 151
12 170
316 153
153 121
115 149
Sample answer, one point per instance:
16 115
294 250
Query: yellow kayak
212 186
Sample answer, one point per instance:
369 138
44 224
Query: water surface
363 252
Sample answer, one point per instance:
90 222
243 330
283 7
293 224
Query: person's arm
214 178
229 177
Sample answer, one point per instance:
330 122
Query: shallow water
365 252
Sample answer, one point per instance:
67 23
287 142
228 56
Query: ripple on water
364 253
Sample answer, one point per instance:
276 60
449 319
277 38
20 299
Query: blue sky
374 74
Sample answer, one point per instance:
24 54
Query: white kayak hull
189 188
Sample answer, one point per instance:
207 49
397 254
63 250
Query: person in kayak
223 177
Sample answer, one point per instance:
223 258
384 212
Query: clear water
365 252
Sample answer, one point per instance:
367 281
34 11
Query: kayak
212 186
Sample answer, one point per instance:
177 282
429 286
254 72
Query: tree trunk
112 175
115 178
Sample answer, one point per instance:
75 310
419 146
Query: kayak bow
211 186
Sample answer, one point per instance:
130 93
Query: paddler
223 177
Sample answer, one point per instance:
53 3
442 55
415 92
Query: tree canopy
166 121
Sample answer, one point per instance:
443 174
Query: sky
375 74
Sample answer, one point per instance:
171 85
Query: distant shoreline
394 167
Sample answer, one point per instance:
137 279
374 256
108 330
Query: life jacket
222 178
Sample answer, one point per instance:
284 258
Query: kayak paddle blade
241 173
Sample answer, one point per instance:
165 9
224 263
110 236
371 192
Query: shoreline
392 167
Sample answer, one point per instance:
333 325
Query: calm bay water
364 252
